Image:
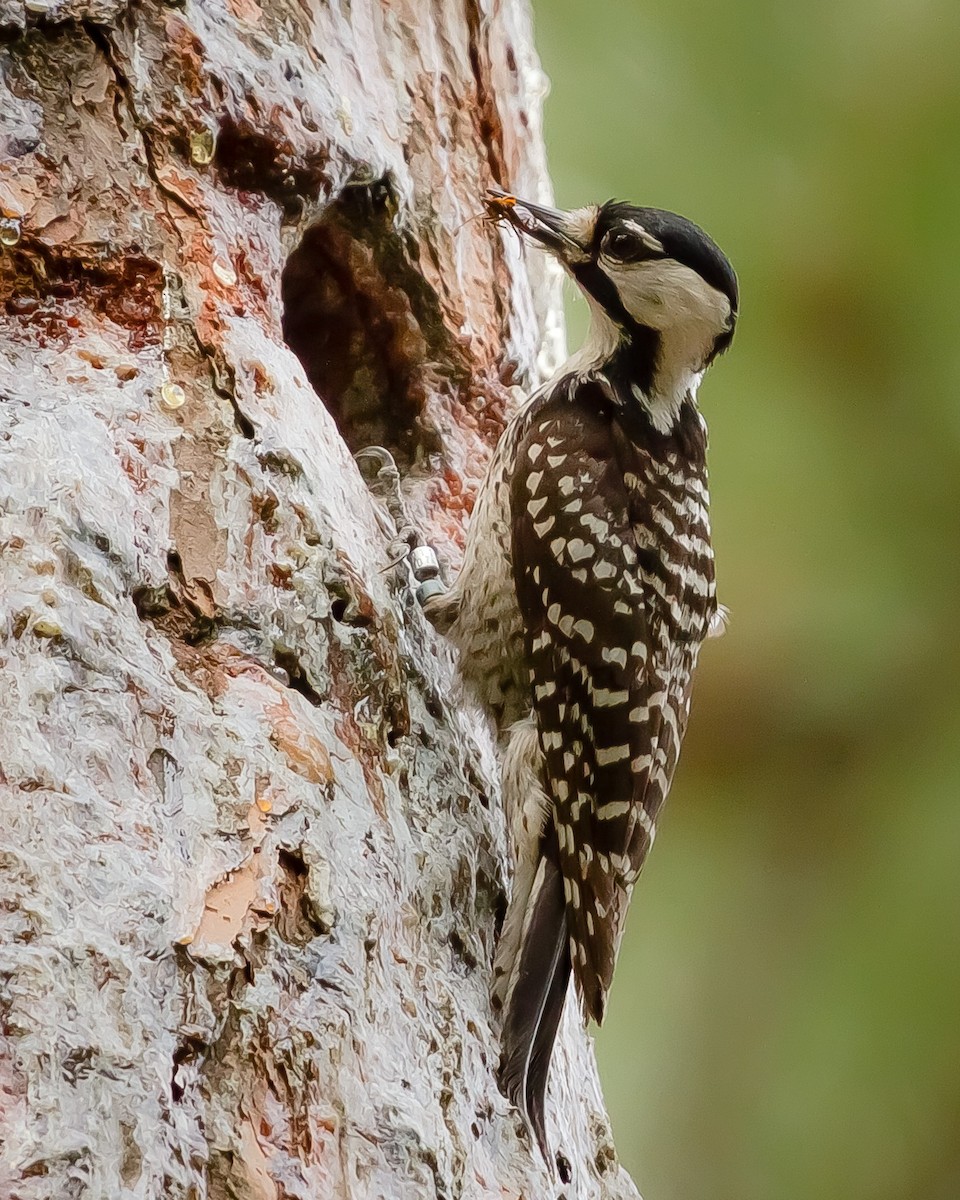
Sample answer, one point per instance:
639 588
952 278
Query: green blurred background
786 1016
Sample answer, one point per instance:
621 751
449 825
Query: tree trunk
253 850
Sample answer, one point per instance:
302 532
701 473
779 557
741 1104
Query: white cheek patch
665 295
687 312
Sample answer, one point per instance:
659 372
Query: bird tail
536 995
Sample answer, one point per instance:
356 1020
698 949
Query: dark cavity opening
366 327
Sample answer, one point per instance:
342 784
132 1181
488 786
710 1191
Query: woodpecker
586 590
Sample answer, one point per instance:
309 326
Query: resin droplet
202 145
9 231
172 395
47 627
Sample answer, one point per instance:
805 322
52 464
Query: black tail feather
535 1004
536 1090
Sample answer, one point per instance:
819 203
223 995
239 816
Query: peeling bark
252 847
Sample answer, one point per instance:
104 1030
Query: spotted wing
595 695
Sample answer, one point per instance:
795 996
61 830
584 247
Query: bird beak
552 228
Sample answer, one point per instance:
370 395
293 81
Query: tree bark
251 837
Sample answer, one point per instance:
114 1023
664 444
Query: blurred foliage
786 1017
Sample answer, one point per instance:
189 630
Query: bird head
655 282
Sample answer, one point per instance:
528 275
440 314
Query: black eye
623 245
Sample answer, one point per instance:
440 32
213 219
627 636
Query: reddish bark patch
486 113
52 292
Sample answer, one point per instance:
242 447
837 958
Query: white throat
599 346
677 372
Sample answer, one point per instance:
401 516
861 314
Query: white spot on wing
612 754
613 809
578 549
595 524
